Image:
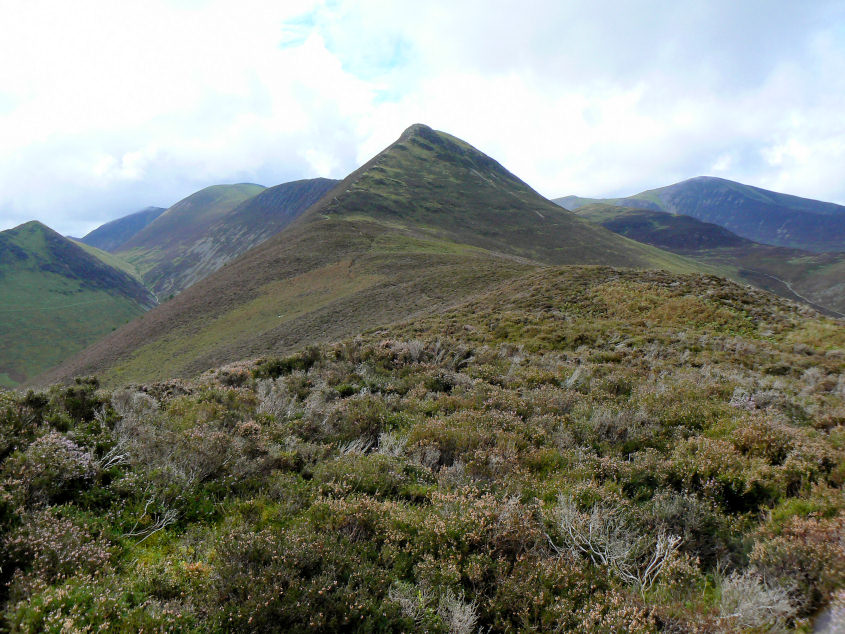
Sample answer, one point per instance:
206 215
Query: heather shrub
706 531
762 438
360 416
297 579
411 480
48 470
20 418
48 548
101 603
77 402
558 588
807 557
374 474
274 368
714 469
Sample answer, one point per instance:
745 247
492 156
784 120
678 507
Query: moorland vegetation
579 449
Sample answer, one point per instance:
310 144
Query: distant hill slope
427 223
750 212
110 259
55 299
814 278
163 242
211 245
111 235
203 232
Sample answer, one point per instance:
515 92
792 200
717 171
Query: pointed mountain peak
33 226
429 138
417 129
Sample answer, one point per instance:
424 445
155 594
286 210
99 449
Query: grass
277 304
111 260
390 275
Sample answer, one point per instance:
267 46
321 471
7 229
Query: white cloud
109 107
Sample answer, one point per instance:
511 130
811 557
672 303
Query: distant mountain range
55 299
814 278
62 294
750 212
418 399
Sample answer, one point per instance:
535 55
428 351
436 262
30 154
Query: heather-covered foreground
583 449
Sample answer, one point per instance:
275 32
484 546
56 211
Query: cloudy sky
108 107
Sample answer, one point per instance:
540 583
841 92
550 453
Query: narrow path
799 295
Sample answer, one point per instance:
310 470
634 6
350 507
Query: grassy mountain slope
111 235
750 212
453 470
814 278
234 232
426 223
445 188
157 249
55 299
110 259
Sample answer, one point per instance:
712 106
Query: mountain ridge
751 212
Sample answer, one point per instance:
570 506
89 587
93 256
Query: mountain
750 212
203 232
664 230
817 279
111 235
438 430
158 248
55 299
424 224
199 234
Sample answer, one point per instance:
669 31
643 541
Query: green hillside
55 299
817 279
579 449
110 259
163 242
423 225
